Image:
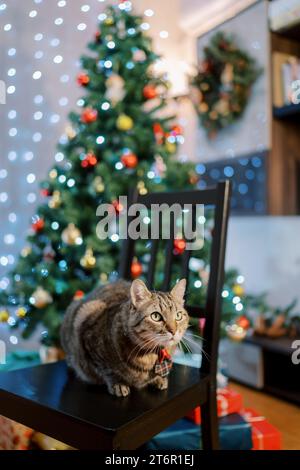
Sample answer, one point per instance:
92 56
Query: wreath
222 86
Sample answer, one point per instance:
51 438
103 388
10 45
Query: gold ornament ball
222 106
40 298
213 115
203 107
55 200
170 147
4 316
193 178
124 123
238 290
53 174
21 312
26 251
88 261
71 235
236 332
103 277
98 184
204 86
109 21
70 132
142 188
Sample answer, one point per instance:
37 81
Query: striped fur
111 337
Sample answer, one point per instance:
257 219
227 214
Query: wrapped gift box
234 432
14 436
6 434
264 435
228 402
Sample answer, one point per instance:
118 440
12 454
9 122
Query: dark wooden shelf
287 112
290 32
281 345
291 396
280 374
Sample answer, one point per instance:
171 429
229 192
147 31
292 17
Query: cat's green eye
178 316
156 316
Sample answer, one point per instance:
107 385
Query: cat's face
160 318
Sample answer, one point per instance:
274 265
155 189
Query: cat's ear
178 291
139 293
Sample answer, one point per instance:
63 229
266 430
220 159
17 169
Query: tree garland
222 86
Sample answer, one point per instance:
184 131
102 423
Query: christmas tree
118 140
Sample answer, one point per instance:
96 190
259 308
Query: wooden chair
51 400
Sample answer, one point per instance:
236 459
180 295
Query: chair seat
50 399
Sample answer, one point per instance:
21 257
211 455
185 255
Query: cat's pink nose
172 329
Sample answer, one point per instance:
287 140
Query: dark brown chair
51 400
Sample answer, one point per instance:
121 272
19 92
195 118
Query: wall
266 250
252 132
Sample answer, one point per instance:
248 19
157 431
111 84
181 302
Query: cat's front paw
119 390
161 383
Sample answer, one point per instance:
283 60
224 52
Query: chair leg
209 422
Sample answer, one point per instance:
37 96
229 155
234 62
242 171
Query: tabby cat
120 333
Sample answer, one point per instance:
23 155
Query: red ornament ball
89 161
179 246
136 269
97 36
38 225
83 79
89 115
118 206
48 254
223 45
78 295
149 92
206 66
176 130
45 192
243 322
130 160
158 133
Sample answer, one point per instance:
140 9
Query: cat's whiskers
186 345
149 339
138 348
157 337
193 342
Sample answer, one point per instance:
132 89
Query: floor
283 415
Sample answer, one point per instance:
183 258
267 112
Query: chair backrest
219 198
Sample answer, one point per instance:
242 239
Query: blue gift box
234 432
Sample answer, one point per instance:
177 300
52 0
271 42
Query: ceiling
199 16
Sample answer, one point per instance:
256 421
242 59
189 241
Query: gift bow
253 419
256 419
